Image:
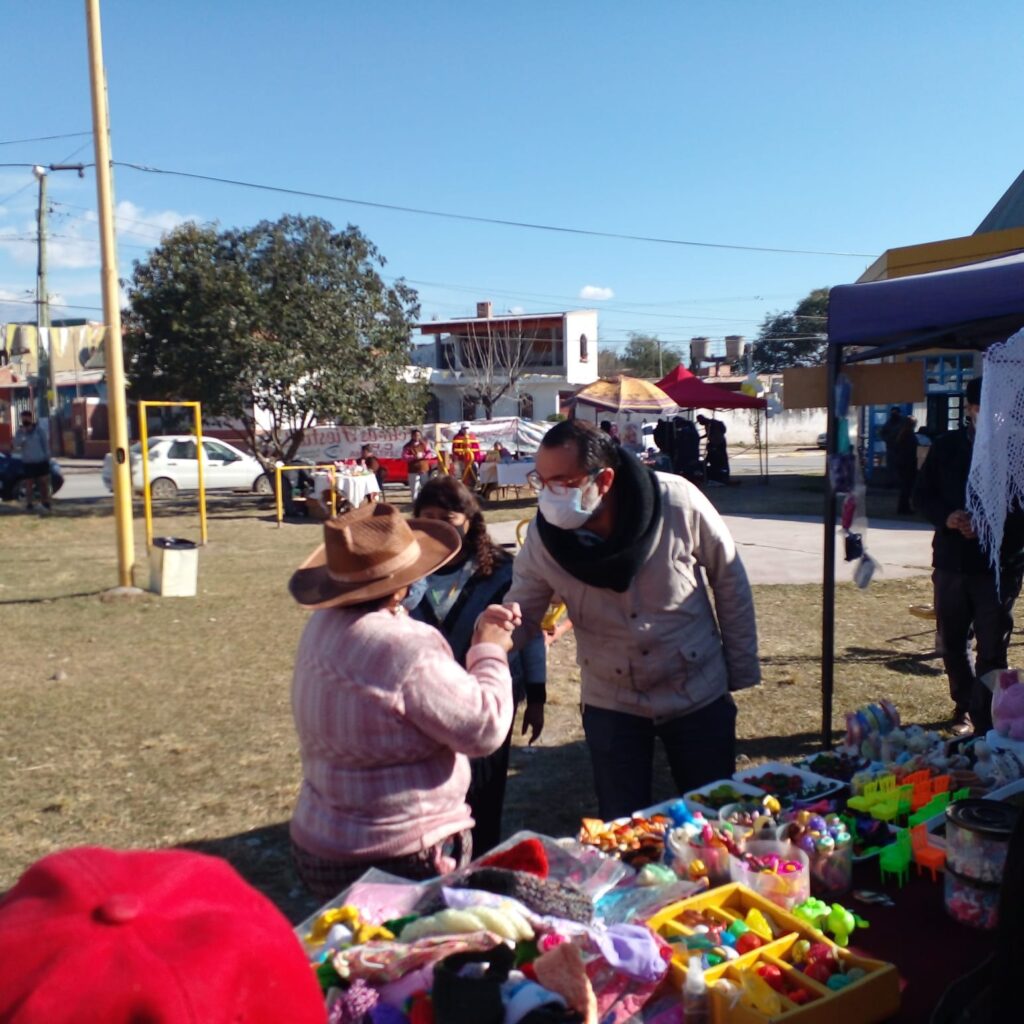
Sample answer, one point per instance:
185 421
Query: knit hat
545 896
170 937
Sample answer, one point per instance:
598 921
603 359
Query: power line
147 169
54 305
45 138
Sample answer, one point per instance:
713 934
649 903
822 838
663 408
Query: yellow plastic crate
875 997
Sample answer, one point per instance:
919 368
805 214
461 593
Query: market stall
854 886
969 307
690 392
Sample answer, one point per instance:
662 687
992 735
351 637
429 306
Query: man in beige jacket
631 553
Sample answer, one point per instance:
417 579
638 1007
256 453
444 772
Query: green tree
608 363
290 317
646 355
796 338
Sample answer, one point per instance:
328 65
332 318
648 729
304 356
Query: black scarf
614 562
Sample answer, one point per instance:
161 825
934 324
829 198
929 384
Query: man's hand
495 625
960 520
533 719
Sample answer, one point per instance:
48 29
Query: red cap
167 937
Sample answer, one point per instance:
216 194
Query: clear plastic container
785 890
714 858
978 837
970 901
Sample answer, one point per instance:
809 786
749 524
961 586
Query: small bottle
695 994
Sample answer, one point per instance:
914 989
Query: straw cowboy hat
369 553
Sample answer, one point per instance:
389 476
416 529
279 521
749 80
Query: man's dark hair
595 449
973 393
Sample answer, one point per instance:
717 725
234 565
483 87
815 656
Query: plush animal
1008 705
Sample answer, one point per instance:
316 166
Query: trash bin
173 567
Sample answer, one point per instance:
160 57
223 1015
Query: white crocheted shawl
996 480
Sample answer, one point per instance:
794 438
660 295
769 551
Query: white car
173 467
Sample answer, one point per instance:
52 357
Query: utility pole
48 395
114 358
45 400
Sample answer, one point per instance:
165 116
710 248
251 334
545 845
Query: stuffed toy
1008 705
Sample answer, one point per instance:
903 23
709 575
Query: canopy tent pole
828 588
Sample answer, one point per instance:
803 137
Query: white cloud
596 292
516 310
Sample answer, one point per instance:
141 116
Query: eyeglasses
560 487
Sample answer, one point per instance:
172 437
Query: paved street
775 549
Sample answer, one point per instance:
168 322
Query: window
217 452
526 407
182 450
432 413
583 348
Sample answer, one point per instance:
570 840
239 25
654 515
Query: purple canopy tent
968 307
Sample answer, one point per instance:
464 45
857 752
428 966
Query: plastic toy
348 918
759 995
926 855
895 859
1008 705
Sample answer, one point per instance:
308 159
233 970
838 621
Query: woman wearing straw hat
386 717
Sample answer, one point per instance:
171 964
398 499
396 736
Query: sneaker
962 724
45 509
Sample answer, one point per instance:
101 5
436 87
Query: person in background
372 463
31 443
386 717
888 433
465 454
632 553
964 583
450 599
904 454
418 459
717 450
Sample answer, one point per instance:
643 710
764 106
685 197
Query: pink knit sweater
387 720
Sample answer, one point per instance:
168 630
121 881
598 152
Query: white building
523 364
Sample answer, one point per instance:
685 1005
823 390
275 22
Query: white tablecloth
505 474
356 488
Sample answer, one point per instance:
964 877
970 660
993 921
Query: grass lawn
153 722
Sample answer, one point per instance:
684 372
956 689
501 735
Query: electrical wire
148 169
45 138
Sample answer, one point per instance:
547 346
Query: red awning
690 392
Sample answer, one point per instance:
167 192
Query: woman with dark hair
450 599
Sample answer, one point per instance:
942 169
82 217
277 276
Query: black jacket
942 488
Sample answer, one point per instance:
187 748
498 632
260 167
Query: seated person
387 719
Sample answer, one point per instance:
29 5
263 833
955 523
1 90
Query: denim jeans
700 746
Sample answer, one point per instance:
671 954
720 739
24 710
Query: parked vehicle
12 477
173 467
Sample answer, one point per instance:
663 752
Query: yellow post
200 462
146 497
116 401
277 491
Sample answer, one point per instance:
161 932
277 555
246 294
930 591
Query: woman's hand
495 625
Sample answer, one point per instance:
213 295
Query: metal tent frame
966 308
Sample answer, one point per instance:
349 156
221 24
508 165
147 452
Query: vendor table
356 488
505 474
929 949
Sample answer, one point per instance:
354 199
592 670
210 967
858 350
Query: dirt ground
158 722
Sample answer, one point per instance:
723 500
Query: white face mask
569 511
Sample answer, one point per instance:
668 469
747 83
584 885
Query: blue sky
835 127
